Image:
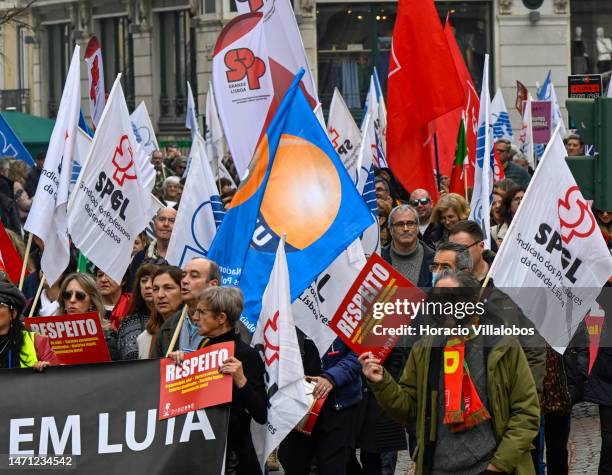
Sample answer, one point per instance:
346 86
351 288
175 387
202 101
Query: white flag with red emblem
276 340
47 217
553 261
95 72
243 85
111 202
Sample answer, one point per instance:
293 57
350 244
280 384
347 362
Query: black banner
101 419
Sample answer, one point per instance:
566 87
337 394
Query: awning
34 132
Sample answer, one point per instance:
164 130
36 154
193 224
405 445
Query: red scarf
464 409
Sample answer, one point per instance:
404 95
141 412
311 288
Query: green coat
512 395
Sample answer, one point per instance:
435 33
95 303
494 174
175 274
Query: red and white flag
243 85
10 260
112 202
47 218
553 261
276 340
95 72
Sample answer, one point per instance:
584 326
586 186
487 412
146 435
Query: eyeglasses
404 224
473 244
80 296
436 266
420 201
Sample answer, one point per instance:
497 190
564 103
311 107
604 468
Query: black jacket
250 401
425 273
164 335
576 363
599 385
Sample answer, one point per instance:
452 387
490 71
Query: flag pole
26 256
37 296
437 160
177 331
465 182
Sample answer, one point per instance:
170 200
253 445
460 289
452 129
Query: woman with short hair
448 211
219 309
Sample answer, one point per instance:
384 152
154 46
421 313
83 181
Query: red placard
75 338
196 383
376 311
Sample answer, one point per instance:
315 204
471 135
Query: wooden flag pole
177 331
25 261
37 297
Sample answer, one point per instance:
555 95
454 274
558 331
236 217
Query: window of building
352 38
57 60
177 65
591 23
23 84
117 54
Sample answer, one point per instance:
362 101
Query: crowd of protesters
521 387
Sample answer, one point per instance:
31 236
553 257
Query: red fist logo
124 162
243 63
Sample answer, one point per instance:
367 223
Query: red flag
458 182
423 85
10 260
448 125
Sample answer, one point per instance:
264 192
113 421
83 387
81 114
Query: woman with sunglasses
167 301
138 315
78 294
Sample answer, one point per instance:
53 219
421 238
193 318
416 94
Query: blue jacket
342 367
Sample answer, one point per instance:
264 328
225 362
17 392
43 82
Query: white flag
344 134
191 116
243 85
317 305
111 203
376 109
200 212
285 46
47 218
526 137
365 185
553 260
214 138
143 129
276 340
483 176
95 72
499 118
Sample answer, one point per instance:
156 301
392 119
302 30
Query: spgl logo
242 63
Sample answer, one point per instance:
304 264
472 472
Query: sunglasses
80 296
420 201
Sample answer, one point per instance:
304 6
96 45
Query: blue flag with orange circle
298 187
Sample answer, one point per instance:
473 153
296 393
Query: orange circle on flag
304 192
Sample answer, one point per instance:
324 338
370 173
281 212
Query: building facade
159 45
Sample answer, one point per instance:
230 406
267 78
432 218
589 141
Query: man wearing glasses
511 170
470 235
407 253
420 200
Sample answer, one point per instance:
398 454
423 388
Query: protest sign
103 419
74 339
541 120
196 383
369 319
